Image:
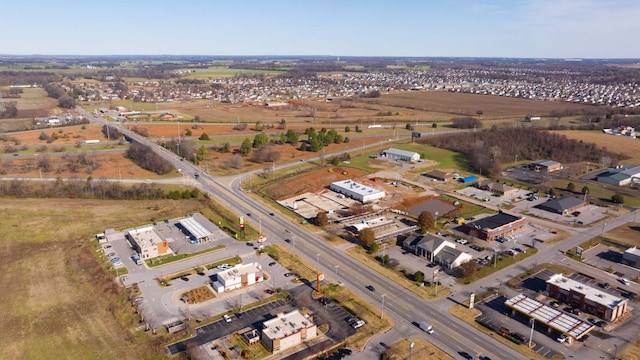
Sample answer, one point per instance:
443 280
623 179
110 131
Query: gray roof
546 163
563 203
401 152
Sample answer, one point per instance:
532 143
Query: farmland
59 299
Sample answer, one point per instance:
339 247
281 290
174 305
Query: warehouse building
287 330
586 298
620 176
398 154
494 227
357 191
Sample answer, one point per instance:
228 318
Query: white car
562 339
227 318
625 281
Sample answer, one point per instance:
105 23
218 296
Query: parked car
227 318
562 338
358 324
269 291
184 278
288 274
111 254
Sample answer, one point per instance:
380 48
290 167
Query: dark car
288 274
371 288
269 291
184 278
272 263
465 355
350 319
324 301
604 285
345 351
272 214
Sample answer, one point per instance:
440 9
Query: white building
287 330
238 277
147 242
357 191
405 155
620 176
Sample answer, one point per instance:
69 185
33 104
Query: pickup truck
426 327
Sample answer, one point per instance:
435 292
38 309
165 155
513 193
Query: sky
411 28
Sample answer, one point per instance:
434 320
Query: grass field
59 299
616 144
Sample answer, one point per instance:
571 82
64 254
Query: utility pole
382 311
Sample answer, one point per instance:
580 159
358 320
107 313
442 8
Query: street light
533 322
411 345
317 263
495 258
382 311
336 267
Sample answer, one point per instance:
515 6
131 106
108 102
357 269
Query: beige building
287 330
147 242
238 277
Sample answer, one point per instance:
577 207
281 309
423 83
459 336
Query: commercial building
494 227
238 277
497 188
439 175
437 249
197 230
546 166
357 191
287 330
620 176
564 205
147 242
398 154
631 257
586 298
553 318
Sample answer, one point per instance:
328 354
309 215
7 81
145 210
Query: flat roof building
620 176
287 330
586 298
631 257
196 229
357 191
238 277
546 165
496 226
147 242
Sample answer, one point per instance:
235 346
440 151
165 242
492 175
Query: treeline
27 78
57 92
487 150
9 110
144 157
91 189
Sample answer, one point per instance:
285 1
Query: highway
451 334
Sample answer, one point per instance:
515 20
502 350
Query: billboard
415 134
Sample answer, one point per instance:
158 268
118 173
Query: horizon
527 29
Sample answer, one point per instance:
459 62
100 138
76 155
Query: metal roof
195 228
549 316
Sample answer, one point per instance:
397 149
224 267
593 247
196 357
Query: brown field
626 234
68 135
312 181
59 299
456 104
111 166
616 144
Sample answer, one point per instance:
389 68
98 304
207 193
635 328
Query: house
586 298
564 205
287 330
545 166
436 249
398 154
439 175
496 188
357 191
631 257
494 227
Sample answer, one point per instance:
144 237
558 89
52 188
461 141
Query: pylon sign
241 222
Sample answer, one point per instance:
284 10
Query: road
451 334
